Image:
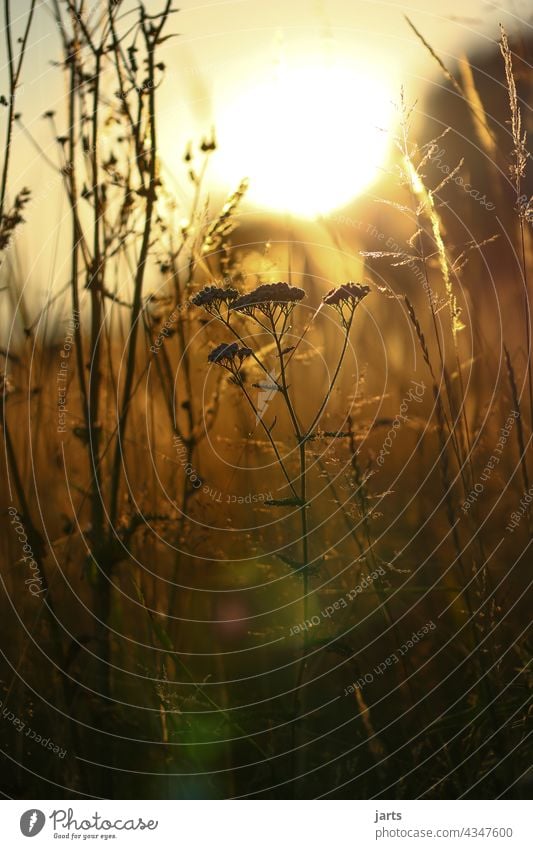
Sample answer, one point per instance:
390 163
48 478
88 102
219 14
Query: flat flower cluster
211 298
345 299
272 301
267 297
229 355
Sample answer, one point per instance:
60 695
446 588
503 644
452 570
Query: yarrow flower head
345 299
269 299
230 356
211 298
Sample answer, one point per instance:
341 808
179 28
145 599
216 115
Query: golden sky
309 83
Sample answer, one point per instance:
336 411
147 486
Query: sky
231 54
279 80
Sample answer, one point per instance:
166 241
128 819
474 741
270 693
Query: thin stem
527 316
333 381
76 238
151 41
301 441
14 70
226 322
95 286
270 439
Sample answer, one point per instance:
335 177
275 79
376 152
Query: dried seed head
345 299
211 298
269 293
229 355
244 352
351 293
272 300
224 351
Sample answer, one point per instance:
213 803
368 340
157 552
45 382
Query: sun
308 138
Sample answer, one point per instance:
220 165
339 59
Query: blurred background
302 100
164 648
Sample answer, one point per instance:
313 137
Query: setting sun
309 138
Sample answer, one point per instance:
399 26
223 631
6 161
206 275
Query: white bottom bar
267 824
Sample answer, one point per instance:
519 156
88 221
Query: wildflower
224 352
230 356
209 145
11 220
271 300
211 298
345 299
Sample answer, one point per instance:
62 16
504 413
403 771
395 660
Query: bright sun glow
309 139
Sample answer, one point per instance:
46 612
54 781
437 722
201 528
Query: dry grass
204 502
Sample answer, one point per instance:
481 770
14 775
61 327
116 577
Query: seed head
229 355
345 299
211 298
269 299
349 292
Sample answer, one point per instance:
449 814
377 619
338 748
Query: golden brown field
266 489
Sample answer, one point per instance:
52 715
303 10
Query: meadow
266 495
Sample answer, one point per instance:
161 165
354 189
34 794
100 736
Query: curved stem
270 439
284 385
262 366
333 379
14 69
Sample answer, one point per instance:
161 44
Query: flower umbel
211 298
345 299
230 356
271 300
